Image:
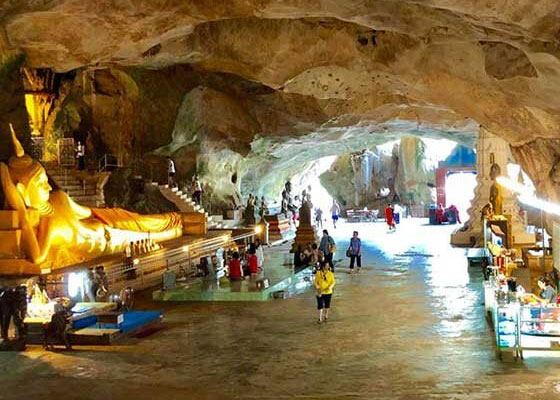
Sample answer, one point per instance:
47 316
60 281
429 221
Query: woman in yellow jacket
324 284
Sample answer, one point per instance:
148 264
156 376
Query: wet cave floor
411 325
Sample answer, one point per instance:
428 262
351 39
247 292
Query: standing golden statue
56 229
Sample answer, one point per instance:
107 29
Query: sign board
556 244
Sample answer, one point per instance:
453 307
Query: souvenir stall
522 321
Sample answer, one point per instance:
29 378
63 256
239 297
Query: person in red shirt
235 272
252 260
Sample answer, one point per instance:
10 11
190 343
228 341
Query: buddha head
29 177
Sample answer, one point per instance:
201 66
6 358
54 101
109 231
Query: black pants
81 163
359 260
328 259
197 196
324 301
13 306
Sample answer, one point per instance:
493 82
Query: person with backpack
324 283
328 247
355 252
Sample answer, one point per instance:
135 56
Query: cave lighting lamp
258 229
185 248
136 261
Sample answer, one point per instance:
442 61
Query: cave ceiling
342 73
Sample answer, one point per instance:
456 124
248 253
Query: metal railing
108 162
148 268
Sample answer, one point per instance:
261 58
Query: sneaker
319 321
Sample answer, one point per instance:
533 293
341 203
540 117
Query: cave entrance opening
459 191
403 172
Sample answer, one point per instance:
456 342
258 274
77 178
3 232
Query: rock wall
12 102
540 159
372 177
274 85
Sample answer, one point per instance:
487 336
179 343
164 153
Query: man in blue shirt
355 250
327 246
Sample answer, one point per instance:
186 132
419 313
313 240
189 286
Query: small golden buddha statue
56 229
495 197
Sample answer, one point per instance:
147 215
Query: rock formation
249 93
371 178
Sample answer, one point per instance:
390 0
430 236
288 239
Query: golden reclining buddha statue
54 231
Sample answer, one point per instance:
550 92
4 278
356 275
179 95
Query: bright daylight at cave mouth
279 199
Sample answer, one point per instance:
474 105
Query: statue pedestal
472 233
233 214
279 227
305 234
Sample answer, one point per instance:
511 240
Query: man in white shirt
335 211
170 172
80 155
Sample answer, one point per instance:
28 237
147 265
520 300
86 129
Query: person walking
319 218
328 247
80 155
355 252
324 284
389 217
170 172
335 212
197 190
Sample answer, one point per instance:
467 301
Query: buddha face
38 190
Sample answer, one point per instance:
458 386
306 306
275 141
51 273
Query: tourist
316 255
328 247
335 212
324 284
80 155
234 267
319 218
260 253
298 257
170 172
440 216
101 282
197 190
355 252
548 293
307 255
252 260
389 217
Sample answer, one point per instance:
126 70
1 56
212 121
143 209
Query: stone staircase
87 191
186 204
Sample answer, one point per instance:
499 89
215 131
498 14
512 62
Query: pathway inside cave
410 325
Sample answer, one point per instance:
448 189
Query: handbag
348 252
